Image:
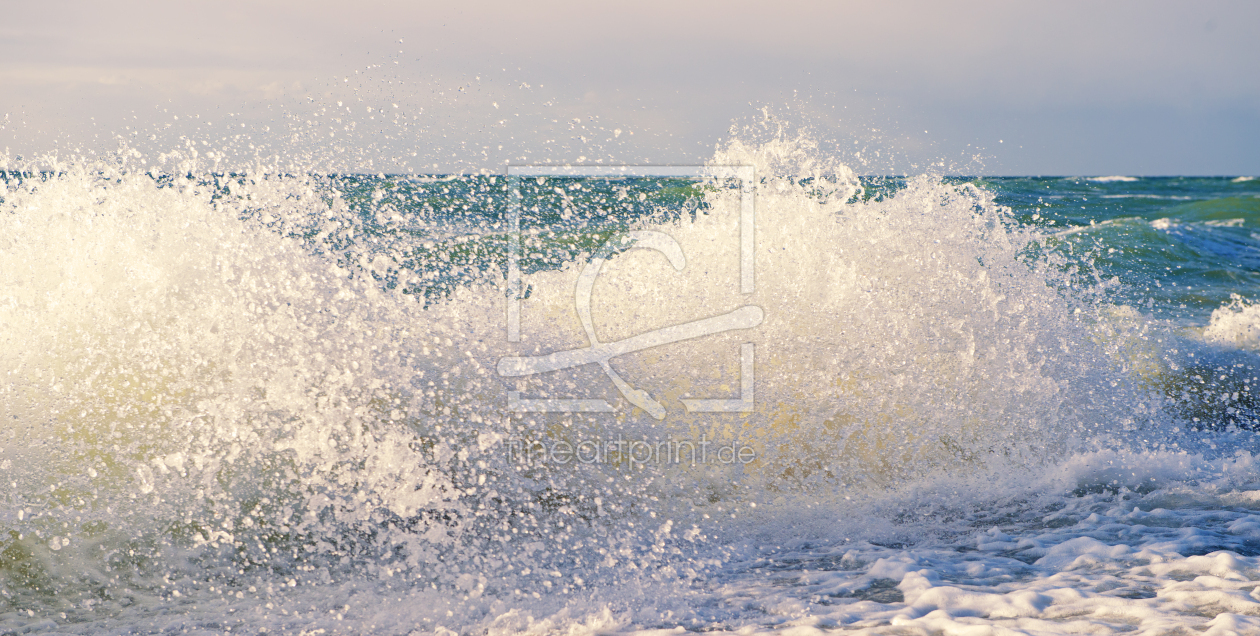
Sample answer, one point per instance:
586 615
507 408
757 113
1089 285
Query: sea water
273 401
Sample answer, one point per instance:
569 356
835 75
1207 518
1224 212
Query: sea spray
262 389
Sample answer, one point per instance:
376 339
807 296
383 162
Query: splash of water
216 380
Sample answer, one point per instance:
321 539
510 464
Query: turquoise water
266 402
1182 245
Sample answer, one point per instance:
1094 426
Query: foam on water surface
270 401
1113 179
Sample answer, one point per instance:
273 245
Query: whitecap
1144 196
1111 179
1225 223
1235 323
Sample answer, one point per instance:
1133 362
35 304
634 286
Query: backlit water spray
273 400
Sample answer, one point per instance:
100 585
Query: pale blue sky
1077 88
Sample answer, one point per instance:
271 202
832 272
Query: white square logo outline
745 317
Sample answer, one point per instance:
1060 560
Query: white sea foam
1111 179
1236 324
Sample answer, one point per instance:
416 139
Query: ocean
766 394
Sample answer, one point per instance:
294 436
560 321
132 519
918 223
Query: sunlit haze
1080 88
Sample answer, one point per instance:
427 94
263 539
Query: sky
1046 88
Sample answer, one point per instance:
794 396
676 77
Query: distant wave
1145 196
1111 179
